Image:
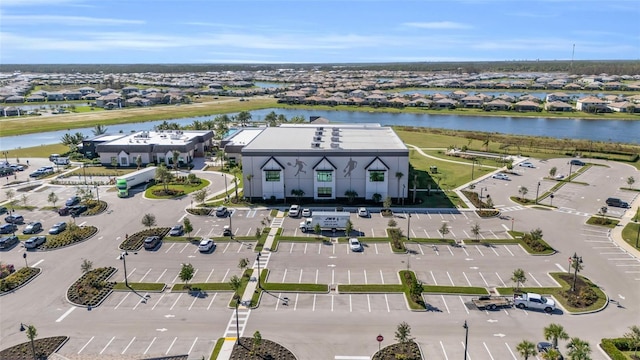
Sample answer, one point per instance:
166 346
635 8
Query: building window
324 176
324 192
272 175
376 176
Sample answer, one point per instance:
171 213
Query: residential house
558 96
91 96
457 95
72 95
444 104
128 90
558 106
86 90
14 99
497 104
624 106
471 101
35 98
106 91
110 98
591 103
11 111
526 105
572 86
55 96
376 99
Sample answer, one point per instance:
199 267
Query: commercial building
325 162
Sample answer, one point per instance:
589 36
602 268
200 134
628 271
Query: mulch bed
268 350
408 351
44 348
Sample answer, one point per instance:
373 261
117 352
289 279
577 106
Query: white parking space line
465 215
465 276
317 275
175 302
319 248
150 344
507 248
465 234
295 304
450 251
106 346
65 314
494 234
157 302
291 248
512 354
494 251
305 247
375 246
480 251
452 233
420 247
483 279
373 233
225 248
161 275
145 275
350 304
195 298
499 278
332 303
434 278
381 277
443 351
170 247
450 279
300 277
121 301
284 275
369 302
85 345
239 248
170 346
211 302
127 347
463 305
386 300
209 277
333 276
224 278
445 304
487 348
534 279
365 276
192 345
349 276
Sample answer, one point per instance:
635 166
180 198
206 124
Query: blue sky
310 31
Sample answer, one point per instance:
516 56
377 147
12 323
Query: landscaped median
586 298
17 279
153 287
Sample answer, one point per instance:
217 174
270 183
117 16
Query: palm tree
578 349
175 154
633 338
526 348
399 176
249 178
99 130
554 332
351 195
551 354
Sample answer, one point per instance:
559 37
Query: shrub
610 346
135 241
74 234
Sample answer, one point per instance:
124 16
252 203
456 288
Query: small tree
188 228
317 230
32 333
392 223
257 341
86 266
348 228
235 283
201 195
149 220
523 191
554 332
578 349
475 230
444 229
551 354
553 171
403 334
52 198
526 348
258 233
387 202
139 161
114 163
630 181
186 273
243 263
10 194
536 234
633 339
519 278
25 200
603 211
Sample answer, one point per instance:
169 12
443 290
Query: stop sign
379 338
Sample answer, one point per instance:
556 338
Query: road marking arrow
191 256
169 316
499 335
492 320
332 257
469 259
331 265
621 297
474 268
162 330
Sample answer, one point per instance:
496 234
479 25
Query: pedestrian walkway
616 232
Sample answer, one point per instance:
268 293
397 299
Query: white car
306 213
294 211
206 245
355 245
363 212
527 164
501 176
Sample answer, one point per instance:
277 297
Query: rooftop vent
335 139
315 145
317 138
319 133
335 145
320 128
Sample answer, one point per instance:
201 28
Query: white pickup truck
534 301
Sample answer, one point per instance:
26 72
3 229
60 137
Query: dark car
34 241
151 242
32 228
58 228
14 219
8 241
76 210
8 228
37 173
544 347
177 230
3 210
617 203
577 162
72 201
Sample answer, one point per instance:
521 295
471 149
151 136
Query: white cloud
66 20
439 25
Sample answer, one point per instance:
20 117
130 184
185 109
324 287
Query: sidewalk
616 233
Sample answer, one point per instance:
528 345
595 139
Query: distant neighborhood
20 94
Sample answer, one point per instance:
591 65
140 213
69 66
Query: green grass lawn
631 233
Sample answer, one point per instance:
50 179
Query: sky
315 31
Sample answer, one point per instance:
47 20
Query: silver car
34 241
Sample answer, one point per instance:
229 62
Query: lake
622 131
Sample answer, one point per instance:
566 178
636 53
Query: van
617 203
61 161
53 157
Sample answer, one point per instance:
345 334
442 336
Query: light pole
466 338
33 346
24 255
5 153
570 168
408 227
230 225
97 192
575 262
123 257
638 235
258 261
225 187
473 165
537 192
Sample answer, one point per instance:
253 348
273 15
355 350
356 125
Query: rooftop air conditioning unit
335 139
335 145
315 145
318 133
317 138
321 128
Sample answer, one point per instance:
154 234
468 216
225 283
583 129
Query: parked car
76 210
294 211
527 164
34 241
8 228
226 231
617 203
32 228
177 230
221 211
355 245
363 212
544 347
3 210
206 245
57 228
151 242
306 212
501 176
577 162
72 201
17 167
37 173
8 241
559 177
14 219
